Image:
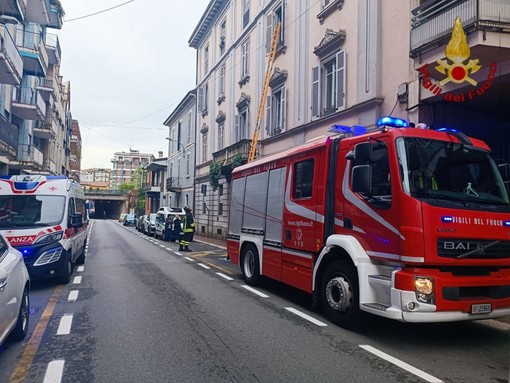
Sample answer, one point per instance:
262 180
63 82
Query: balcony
174 184
151 189
34 54
226 155
46 130
46 88
485 22
50 166
53 48
9 138
38 11
16 9
28 104
11 63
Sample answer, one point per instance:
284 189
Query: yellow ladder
263 96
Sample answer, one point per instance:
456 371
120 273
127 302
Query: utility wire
97 13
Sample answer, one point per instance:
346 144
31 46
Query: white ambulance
45 218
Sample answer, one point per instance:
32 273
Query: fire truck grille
475 292
472 248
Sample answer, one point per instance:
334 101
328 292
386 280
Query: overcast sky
129 67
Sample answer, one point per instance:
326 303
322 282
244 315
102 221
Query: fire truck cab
406 223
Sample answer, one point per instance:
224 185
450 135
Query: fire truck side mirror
363 152
361 179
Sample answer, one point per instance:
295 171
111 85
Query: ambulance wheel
340 294
250 265
20 331
66 278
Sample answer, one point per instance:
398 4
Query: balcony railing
239 148
174 184
11 63
432 22
9 137
28 97
151 189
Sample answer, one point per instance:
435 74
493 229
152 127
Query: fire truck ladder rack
263 96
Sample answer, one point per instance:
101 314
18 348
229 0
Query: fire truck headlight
424 288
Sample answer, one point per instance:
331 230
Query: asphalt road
139 311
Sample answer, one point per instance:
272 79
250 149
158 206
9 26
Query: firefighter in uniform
188 227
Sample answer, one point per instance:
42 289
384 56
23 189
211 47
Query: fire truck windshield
24 211
433 169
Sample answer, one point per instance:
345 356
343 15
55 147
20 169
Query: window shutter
269 32
315 91
284 109
269 130
282 24
340 80
200 99
236 128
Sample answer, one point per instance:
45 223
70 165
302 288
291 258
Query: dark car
129 220
140 222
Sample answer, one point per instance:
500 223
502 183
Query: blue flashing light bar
506 223
392 122
447 218
354 130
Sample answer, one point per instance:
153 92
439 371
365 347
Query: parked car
140 222
149 226
14 293
129 220
162 214
121 217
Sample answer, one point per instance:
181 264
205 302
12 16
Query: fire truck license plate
483 308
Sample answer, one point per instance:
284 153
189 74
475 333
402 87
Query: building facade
180 181
35 132
337 63
154 186
128 167
75 156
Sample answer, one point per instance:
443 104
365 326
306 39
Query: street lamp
178 143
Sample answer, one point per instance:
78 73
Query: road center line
73 296
225 276
306 316
24 364
54 372
403 365
64 328
255 291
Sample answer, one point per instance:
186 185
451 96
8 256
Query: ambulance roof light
392 122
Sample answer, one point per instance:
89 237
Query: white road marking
54 372
204 266
77 280
80 269
169 249
162 245
403 365
188 258
64 328
179 254
73 296
225 276
255 291
306 316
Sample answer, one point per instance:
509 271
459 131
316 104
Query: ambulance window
70 208
303 179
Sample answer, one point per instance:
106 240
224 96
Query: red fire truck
407 223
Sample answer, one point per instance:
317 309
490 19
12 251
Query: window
245 52
328 86
276 111
190 127
246 12
206 59
223 36
275 17
204 147
179 168
203 98
221 132
303 179
188 164
220 203
241 125
221 85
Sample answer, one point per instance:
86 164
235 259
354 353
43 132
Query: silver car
149 226
14 287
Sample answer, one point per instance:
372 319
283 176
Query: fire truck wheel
340 294
250 265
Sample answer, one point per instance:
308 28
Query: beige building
126 164
337 63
